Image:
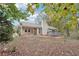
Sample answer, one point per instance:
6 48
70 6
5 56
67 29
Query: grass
43 46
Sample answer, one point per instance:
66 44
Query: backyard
41 46
31 29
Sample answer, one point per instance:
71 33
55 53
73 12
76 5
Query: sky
31 18
37 11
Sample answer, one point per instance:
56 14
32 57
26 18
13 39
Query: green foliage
32 7
37 5
11 11
6 30
62 15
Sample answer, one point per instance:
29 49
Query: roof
35 25
31 25
50 27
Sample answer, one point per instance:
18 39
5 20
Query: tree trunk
68 32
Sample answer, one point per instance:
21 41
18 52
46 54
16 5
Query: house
36 29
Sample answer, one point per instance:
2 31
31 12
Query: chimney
44 27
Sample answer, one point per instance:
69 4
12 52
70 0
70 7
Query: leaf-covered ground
41 46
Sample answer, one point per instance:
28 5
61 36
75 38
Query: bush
75 35
6 30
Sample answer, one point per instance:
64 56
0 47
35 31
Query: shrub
6 30
75 35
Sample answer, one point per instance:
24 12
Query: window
28 30
25 30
